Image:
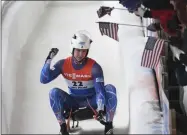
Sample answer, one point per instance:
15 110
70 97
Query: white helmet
81 40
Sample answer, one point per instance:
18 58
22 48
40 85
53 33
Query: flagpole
119 8
126 24
131 25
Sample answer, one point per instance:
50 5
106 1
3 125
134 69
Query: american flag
109 29
152 51
104 10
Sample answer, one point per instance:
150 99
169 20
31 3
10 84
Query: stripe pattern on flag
109 29
152 51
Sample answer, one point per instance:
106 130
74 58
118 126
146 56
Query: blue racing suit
87 90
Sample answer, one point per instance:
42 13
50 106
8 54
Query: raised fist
53 52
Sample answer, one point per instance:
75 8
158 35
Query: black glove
52 53
100 117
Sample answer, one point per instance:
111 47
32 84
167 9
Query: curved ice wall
19 19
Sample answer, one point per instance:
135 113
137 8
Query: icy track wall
17 24
145 115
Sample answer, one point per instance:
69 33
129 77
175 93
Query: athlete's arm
48 74
98 78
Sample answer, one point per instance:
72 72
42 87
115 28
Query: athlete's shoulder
59 63
95 63
97 70
68 58
92 60
97 66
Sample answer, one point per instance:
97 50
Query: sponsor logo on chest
74 75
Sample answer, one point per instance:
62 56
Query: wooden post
173 121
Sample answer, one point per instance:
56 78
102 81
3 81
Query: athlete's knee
111 101
110 88
55 92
